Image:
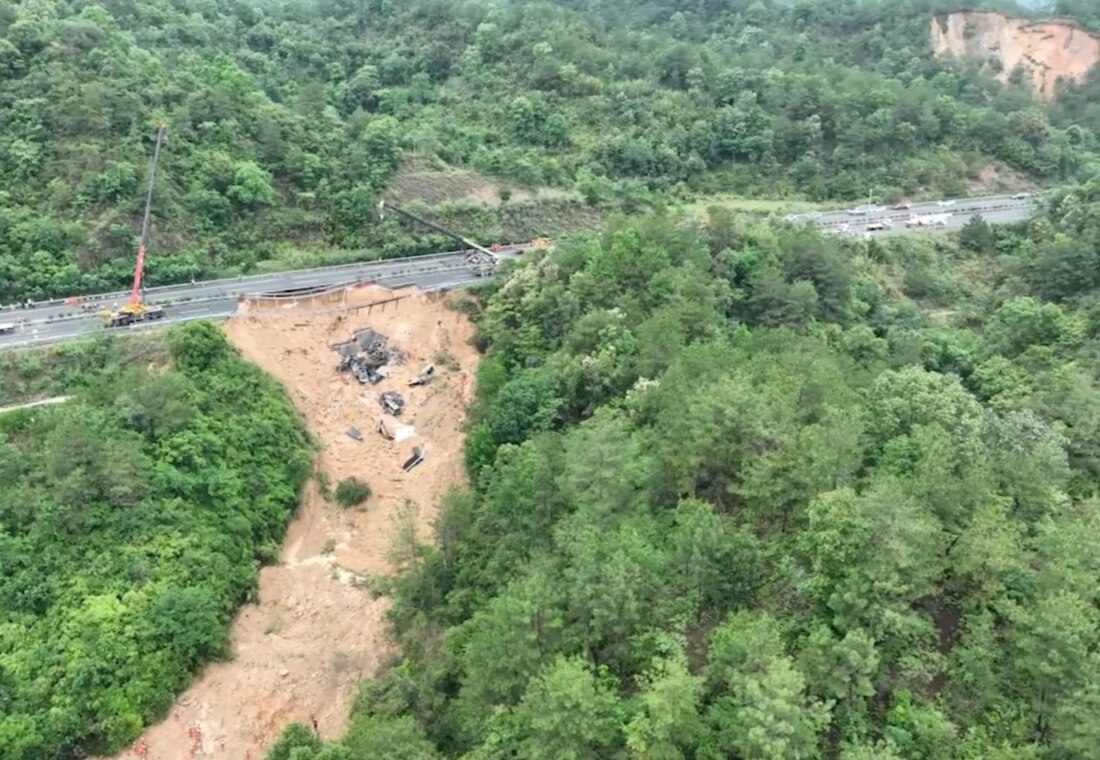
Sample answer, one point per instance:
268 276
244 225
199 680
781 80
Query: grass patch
445 360
324 484
752 205
351 492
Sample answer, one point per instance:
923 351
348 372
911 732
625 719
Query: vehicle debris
354 432
393 402
425 376
390 429
416 458
366 356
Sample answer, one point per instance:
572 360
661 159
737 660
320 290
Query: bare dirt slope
418 180
315 632
1049 50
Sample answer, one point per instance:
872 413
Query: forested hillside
287 118
746 492
132 521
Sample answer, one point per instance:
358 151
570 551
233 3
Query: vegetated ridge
286 120
133 518
746 491
1047 51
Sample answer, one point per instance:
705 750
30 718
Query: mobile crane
480 259
136 309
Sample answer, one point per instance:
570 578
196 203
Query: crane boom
382 205
138 289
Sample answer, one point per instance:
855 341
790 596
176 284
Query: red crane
136 310
138 290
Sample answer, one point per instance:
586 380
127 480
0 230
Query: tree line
133 519
287 119
742 491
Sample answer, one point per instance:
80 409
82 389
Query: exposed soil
316 631
998 178
1048 50
417 180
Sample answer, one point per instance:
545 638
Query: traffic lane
278 283
54 331
64 329
893 215
955 218
920 209
437 280
48 332
955 222
263 282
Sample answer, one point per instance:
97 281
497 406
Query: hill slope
748 492
287 118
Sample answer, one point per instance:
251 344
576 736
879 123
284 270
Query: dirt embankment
1048 50
316 631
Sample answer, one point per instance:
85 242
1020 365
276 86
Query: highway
996 209
58 320
54 321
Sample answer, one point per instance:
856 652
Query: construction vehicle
136 309
480 259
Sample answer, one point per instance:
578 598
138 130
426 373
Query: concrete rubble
394 431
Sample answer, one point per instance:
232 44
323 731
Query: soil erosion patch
315 632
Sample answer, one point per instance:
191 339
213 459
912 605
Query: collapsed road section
316 630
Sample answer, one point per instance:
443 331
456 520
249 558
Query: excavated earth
1048 50
316 630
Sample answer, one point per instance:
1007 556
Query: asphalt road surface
50 323
56 320
998 209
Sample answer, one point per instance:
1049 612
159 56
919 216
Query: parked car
858 211
902 206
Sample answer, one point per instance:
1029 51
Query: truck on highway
132 313
136 309
8 327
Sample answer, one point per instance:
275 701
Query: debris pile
482 262
368 355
